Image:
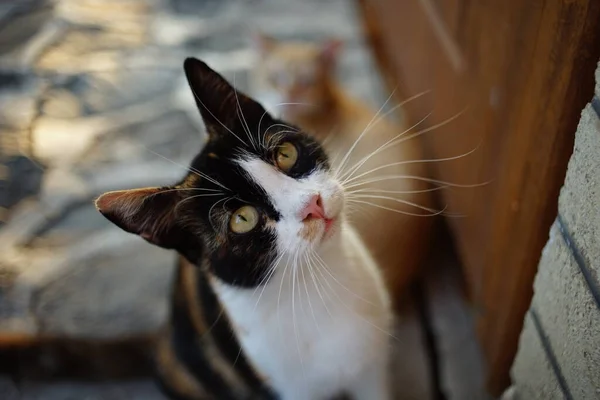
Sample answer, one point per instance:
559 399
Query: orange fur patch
311 229
177 377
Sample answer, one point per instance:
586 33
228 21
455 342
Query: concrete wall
559 350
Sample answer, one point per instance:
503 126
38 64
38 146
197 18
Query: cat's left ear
330 50
147 212
223 108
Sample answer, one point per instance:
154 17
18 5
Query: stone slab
569 316
110 295
579 202
531 372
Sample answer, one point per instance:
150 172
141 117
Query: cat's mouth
317 228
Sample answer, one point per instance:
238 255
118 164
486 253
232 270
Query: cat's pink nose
313 209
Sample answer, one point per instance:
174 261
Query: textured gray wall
559 350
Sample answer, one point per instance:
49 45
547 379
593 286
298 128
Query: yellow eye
244 219
287 155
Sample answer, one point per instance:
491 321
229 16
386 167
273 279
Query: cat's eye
244 219
287 155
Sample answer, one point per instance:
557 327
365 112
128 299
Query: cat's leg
374 384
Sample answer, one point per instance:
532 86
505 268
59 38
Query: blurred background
93 98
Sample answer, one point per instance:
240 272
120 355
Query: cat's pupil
240 216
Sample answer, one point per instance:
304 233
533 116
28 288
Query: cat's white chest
313 329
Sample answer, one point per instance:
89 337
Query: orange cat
296 80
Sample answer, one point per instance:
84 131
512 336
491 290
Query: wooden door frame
551 107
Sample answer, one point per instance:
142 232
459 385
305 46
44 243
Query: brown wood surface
521 71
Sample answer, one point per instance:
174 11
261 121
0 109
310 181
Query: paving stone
8 389
113 90
61 103
22 179
77 225
20 21
136 390
168 137
113 294
59 142
105 12
18 96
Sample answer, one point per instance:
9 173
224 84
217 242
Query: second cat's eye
244 219
286 156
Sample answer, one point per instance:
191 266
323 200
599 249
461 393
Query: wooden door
519 73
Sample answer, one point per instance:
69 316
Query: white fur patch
320 326
289 196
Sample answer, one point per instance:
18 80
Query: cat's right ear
222 106
330 50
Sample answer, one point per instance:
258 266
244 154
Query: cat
275 294
297 81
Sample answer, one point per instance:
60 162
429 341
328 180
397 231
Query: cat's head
260 190
296 75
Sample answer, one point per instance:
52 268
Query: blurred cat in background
296 80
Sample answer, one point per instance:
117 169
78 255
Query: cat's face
259 191
296 76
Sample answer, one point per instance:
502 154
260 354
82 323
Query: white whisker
295 326
381 148
410 162
216 119
307 294
317 284
374 190
402 103
399 139
358 139
195 171
279 297
210 212
395 210
352 312
277 105
401 201
340 283
188 190
196 196
419 178
241 117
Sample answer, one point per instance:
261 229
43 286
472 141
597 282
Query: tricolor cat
276 295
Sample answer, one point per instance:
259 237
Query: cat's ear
330 50
222 107
263 43
147 212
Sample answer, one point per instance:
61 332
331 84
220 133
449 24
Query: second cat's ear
225 110
263 43
330 50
